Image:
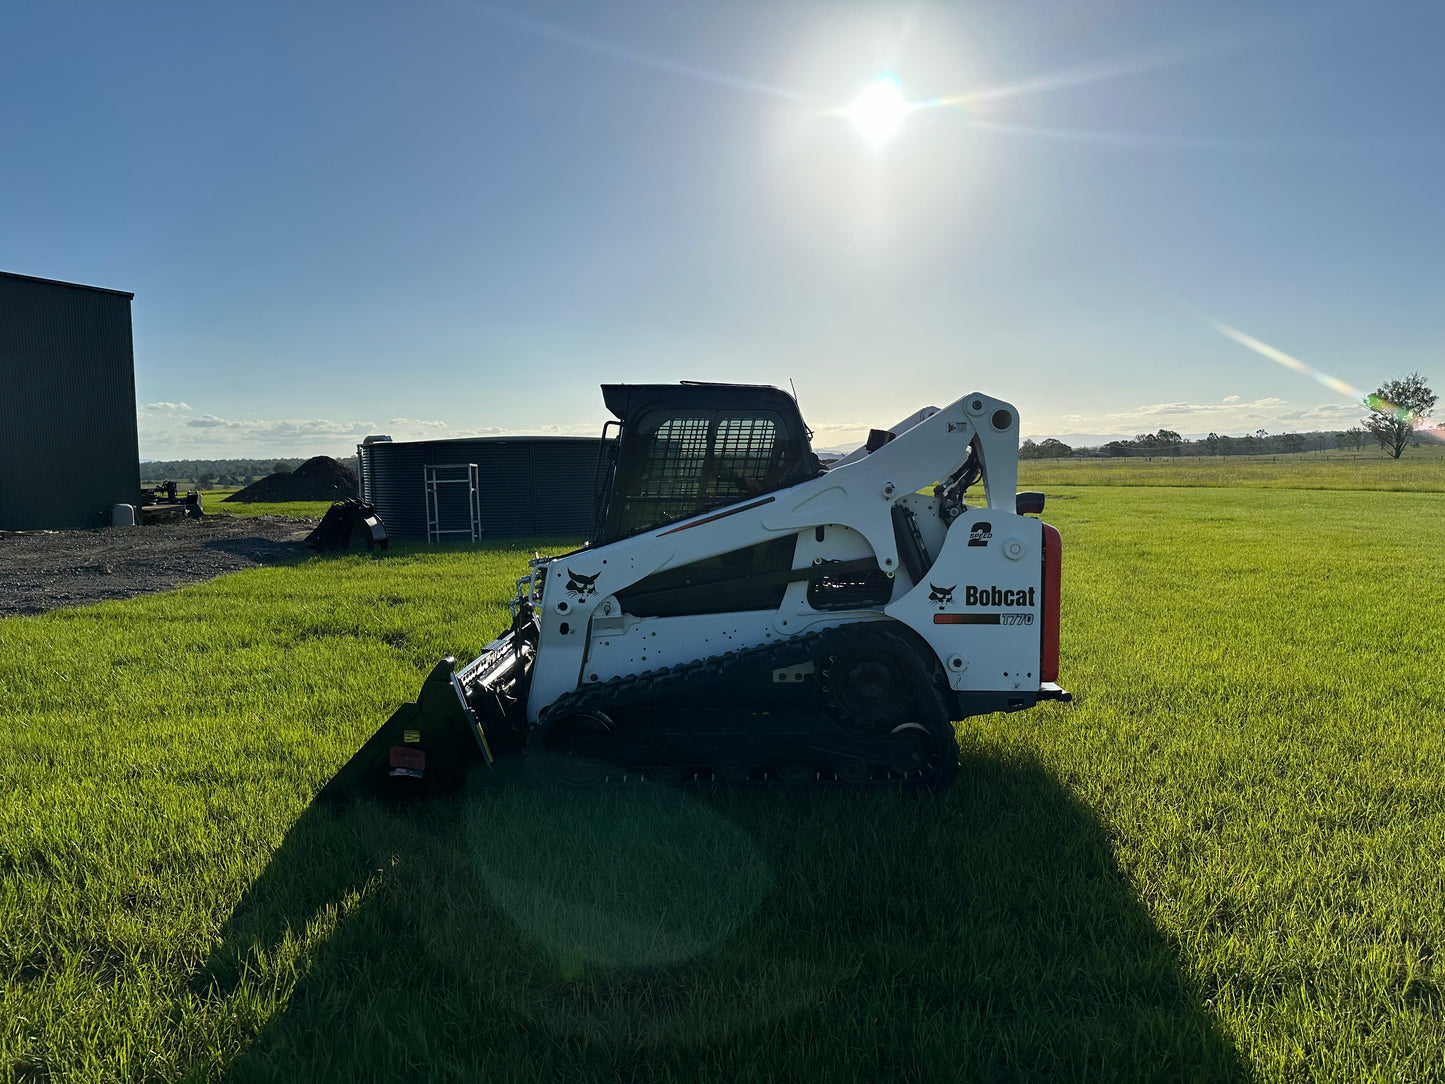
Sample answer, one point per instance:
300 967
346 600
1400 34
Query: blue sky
445 218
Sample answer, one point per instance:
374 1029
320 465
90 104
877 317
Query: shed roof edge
73 285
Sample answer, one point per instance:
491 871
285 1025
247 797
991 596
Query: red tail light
1049 634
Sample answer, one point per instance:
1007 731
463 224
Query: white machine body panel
978 606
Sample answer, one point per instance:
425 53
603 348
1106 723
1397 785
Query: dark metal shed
68 447
485 487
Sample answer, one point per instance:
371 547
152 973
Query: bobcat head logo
941 595
580 584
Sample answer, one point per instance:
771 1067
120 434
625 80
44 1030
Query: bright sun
879 110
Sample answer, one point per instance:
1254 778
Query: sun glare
879 110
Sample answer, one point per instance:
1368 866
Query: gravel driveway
47 570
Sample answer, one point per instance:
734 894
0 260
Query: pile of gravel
318 479
44 570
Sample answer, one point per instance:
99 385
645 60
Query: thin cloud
843 427
209 435
1154 410
294 428
1232 415
1333 412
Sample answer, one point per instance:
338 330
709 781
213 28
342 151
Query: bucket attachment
425 748
349 524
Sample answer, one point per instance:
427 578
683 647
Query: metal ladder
438 475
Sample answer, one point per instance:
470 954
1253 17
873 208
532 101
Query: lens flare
1334 383
1264 350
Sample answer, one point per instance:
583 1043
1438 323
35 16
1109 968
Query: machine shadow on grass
651 934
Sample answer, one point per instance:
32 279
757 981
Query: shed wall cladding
68 449
527 486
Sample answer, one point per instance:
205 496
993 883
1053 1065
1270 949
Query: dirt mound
318 479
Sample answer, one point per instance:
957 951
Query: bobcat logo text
998 596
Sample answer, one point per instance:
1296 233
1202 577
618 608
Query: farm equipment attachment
162 503
348 525
743 615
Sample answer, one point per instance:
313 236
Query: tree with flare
1397 409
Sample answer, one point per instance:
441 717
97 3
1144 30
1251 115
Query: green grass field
1223 861
215 503
1421 469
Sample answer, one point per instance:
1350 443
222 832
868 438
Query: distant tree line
205 473
1166 442
1398 410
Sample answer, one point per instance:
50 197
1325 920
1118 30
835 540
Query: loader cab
687 448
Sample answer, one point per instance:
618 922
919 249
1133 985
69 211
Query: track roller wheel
796 774
883 685
867 690
917 751
731 772
669 774
853 770
573 751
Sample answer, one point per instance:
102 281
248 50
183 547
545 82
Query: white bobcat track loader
742 615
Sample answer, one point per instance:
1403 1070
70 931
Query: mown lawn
1223 861
215 504
1420 469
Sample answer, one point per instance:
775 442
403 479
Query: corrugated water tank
527 486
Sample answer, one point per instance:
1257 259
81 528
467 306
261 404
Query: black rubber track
912 656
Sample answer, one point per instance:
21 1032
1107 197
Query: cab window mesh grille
745 458
693 463
676 456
